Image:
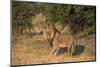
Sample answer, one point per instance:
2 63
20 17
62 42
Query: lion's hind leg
73 48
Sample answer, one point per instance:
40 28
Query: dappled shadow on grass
78 50
62 50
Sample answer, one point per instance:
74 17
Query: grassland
31 51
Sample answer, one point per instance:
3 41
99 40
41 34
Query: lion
59 40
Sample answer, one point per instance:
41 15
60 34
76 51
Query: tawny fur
59 40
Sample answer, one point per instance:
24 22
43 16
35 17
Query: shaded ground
31 51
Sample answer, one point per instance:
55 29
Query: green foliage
83 16
22 13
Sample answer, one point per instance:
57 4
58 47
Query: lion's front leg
53 50
56 52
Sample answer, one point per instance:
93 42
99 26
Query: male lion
59 40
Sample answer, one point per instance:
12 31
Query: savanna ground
31 50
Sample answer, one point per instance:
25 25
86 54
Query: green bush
84 16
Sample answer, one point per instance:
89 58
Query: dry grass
39 53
